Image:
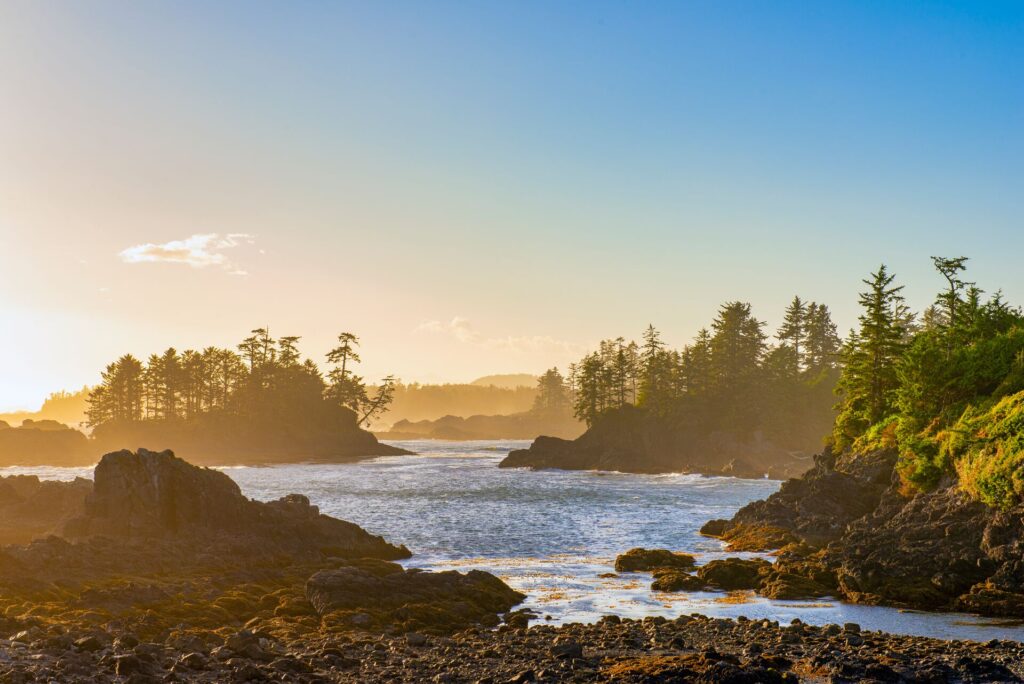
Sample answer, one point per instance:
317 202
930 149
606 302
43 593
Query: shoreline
689 648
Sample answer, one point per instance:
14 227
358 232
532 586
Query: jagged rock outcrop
847 528
32 508
148 495
815 508
632 440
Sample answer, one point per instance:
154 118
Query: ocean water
554 534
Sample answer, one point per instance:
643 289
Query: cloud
461 330
198 251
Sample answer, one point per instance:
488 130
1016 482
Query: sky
487 187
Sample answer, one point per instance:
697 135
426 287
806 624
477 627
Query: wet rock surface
637 560
847 529
687 649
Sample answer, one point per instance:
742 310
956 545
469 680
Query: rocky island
728 403
219 407
631 440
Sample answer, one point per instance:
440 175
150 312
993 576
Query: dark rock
785 585
31 508
156 495
193 661
125 665
567 649
630 439
411 600
715 528
676 580
88 643
732 574
639 559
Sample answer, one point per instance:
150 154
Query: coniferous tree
822 341
552 394
794 328
869 379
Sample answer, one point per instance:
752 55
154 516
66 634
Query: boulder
375 594
668 579
638 560
731 574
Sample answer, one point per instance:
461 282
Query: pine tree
869 378
552 394
794 328
822 342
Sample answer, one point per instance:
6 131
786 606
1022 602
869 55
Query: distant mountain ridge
507 380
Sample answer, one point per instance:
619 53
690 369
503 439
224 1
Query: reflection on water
554 534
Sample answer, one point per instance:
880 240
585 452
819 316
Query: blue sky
488 187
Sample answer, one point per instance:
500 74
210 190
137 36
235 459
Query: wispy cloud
198 251
463 331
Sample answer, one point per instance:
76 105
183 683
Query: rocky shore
165 572
848 529
687 649
630 440
160 556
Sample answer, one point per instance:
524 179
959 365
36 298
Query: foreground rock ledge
165 563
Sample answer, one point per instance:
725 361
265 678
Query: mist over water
552 534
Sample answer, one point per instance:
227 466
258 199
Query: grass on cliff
984 448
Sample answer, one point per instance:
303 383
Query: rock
415 639
193 661
567 649
412 600
125 665
784 585
89 644
676 580
630 439
715 528
31 508
817 507
157 495
862 539
519 618
649 559
731 574
757 538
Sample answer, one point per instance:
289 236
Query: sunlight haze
482 188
